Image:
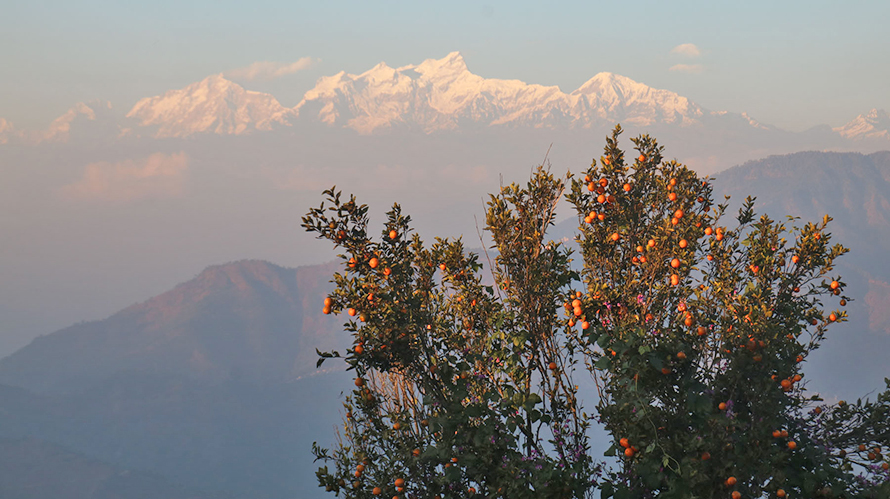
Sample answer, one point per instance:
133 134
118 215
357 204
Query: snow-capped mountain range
435 95
873 125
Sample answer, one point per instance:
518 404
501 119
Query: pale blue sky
794 64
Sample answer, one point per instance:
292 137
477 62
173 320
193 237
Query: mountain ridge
242 319
432 96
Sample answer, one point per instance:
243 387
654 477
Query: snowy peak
212 105
452 64
614 97
873 125
441 94
60 129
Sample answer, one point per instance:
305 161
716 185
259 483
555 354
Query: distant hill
31 469
249 319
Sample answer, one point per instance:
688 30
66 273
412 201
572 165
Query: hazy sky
793 64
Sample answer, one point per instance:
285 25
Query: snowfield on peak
873 125
213 105
442 94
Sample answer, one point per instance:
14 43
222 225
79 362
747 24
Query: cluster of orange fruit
784 434
577 311
629 450
787 384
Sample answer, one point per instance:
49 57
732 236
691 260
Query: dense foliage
694 332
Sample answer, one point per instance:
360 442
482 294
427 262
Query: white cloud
687 50
159 175
687 68
266 70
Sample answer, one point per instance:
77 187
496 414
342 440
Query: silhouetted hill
31 469
248 319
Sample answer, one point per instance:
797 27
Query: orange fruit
326 310
640 249
673 182
576 303
642 158
387 271
616 236
627 187
359 349
722 406
731 481
552 366
373 263
777 433
834 284
665 370
651 243
792 445
416 452
702 331
585 325
604 182
359 382
684 243
396 426
399 482
376 491
606 161
471 490
351 312
672 196
393 234
591 187
629 452
705 456
328 301
675 263
736 494
780 493
675 279
795 259
624 443
784 433
681 355
832 317
601 198
786 383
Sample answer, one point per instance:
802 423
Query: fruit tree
694 330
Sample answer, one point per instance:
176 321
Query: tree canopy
693 328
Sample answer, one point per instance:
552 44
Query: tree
695 334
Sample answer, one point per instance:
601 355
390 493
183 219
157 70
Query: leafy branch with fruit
694 331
